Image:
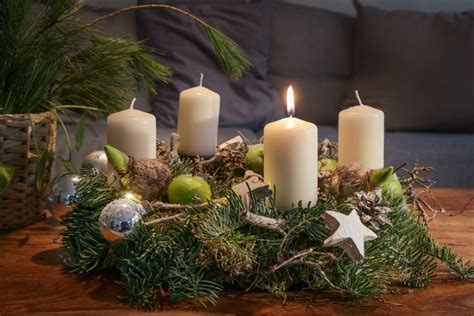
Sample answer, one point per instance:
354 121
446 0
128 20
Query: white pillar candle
198 121
133 132
291 159
361 136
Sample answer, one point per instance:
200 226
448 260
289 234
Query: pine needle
231 58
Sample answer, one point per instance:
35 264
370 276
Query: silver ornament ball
119 218
61 193
96 160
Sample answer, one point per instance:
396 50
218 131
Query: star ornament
348 232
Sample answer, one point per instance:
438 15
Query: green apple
188 189
254 158
380 176
327 164
392 185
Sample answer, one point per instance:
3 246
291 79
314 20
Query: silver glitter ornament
61 193
97 160
119 218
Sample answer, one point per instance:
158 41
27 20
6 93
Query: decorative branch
159 205
287 235
149 6
264 222
165 219
300 257
230 57
174 145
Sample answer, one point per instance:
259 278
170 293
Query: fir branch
197 251
232 250
85 249
462 268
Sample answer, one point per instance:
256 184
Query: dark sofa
313 50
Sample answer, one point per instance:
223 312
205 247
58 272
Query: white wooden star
348 232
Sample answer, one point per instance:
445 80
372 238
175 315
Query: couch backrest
346 6
311 49
342 6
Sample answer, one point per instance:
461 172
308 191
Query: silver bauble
61 193
97 160
119 218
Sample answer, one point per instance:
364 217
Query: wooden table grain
31 280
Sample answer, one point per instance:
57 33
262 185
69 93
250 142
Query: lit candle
361 136
291 158
133 132
198 121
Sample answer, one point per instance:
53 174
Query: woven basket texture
22 204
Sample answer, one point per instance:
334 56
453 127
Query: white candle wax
290 160
133 132
361 136
198 121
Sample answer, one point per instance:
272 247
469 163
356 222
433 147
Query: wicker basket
22 204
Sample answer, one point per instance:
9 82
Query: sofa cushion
311 49
249 102
417 67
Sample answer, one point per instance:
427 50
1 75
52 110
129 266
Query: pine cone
324 183
327 149
163 152
372 208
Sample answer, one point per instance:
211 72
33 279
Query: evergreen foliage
193 257
51 59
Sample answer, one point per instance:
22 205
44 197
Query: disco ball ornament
61 193
119 218
96 160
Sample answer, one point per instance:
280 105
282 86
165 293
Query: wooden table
31 280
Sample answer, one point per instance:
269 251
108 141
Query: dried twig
299 258
264 222
174 144
287 235
148 6
159 205
164 219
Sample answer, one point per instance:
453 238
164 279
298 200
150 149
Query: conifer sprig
196 256
50 57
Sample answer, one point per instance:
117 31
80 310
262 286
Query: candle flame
290 101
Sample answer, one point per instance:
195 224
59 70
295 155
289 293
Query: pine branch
230 57
50 56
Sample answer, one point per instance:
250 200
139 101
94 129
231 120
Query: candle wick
358 97
132 103
200 81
